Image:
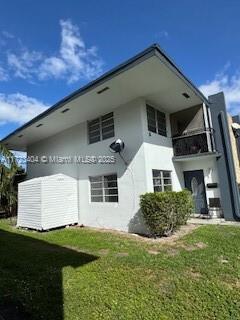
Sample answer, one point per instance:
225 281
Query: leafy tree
8 170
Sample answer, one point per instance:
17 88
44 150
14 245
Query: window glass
101 128
156 121
162 180
104 188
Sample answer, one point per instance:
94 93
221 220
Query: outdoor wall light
117 146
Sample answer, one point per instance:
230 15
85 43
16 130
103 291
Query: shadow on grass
31 285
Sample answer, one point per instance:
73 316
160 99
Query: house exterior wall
234 149
208 165
158 153
230 197
128 122
237 120
144 151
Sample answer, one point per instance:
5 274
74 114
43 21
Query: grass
75 274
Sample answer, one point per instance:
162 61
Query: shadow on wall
31 277
137 224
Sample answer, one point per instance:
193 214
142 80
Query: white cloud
24 65
72 62
18 108
161 34
52 67
230 85
3 74
7 34
72 46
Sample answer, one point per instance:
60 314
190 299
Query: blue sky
50 48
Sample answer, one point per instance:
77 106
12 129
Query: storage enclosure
47 202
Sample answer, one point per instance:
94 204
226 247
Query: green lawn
84 274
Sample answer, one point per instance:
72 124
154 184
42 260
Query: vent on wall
65 110
20 136
39 125
186 95
102 90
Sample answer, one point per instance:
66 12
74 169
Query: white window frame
161 177
103 188
101 127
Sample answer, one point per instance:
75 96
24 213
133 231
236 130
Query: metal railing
196 142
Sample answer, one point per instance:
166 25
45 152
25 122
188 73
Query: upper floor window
101 128
156 121
162 180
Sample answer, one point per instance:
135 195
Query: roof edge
150 51
179 70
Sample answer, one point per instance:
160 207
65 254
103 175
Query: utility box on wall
47 202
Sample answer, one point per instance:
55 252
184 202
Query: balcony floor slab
197 156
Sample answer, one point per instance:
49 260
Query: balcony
192 133
195 142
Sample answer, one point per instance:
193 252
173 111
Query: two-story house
174 138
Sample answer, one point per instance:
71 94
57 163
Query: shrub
164 212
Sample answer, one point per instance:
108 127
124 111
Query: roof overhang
150 75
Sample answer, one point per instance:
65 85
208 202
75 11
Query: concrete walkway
213 221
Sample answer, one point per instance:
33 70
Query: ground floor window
162 180
104 188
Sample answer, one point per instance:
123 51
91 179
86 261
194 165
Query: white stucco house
174 138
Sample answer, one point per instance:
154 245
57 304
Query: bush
164 212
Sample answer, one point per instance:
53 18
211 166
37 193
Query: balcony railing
196 142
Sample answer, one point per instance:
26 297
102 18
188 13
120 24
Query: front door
194 181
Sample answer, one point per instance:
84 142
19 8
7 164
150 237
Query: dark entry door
194 181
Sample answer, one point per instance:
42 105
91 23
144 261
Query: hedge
164 212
